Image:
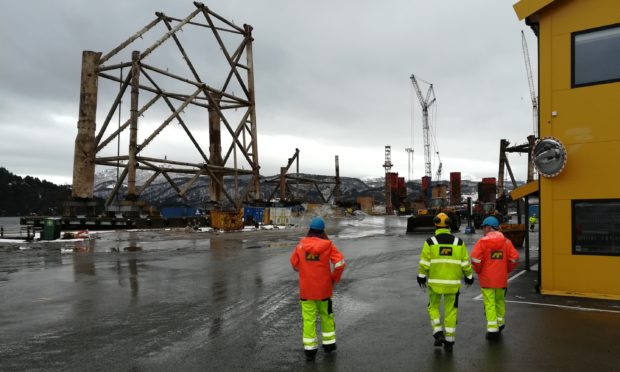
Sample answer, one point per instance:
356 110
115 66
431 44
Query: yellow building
579 85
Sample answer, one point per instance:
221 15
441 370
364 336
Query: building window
596 227
596 56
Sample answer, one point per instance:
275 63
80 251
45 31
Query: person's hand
421 281
469 281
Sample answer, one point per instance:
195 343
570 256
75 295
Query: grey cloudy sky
332 78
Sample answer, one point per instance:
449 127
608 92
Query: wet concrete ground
173 300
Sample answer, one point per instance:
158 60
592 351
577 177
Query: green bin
51 229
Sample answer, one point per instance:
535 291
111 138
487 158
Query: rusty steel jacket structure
225 102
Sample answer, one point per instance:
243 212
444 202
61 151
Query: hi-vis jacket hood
313 258
493 257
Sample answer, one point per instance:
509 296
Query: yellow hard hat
441 220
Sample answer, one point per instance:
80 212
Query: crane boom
439 168
530 80
425 102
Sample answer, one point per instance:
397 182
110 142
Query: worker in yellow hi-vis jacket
533 221
443 263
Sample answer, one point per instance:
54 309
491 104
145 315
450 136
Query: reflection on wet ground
162 300
359 228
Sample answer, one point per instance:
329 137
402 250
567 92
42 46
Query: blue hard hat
317 223
491 221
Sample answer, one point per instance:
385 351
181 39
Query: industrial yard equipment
423 220
424 217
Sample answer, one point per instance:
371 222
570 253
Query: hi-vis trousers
494 307
309 309
450 310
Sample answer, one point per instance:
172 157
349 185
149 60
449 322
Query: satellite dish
549 156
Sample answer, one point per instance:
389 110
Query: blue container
257 214
177 212
533 210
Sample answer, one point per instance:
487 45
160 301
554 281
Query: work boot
439 338
492 336
329 348
310 354
447 346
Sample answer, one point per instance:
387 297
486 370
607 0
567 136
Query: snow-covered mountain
160 193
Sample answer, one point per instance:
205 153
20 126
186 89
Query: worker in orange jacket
313 258
493 257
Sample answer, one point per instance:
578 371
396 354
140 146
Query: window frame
574 233
572 58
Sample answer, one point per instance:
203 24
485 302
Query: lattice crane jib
530 81
426 101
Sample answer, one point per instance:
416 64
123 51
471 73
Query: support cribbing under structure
228 100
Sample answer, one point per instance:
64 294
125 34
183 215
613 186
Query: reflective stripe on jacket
444 261
313 258
493 257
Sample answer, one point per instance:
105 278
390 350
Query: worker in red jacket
313 258
492 258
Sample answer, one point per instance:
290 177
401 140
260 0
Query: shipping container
177 212
227 221
255 214
280 215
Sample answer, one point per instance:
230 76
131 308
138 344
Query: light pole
409 163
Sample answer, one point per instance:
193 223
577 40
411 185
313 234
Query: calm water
10 224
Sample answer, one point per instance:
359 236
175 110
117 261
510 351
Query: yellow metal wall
588 124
